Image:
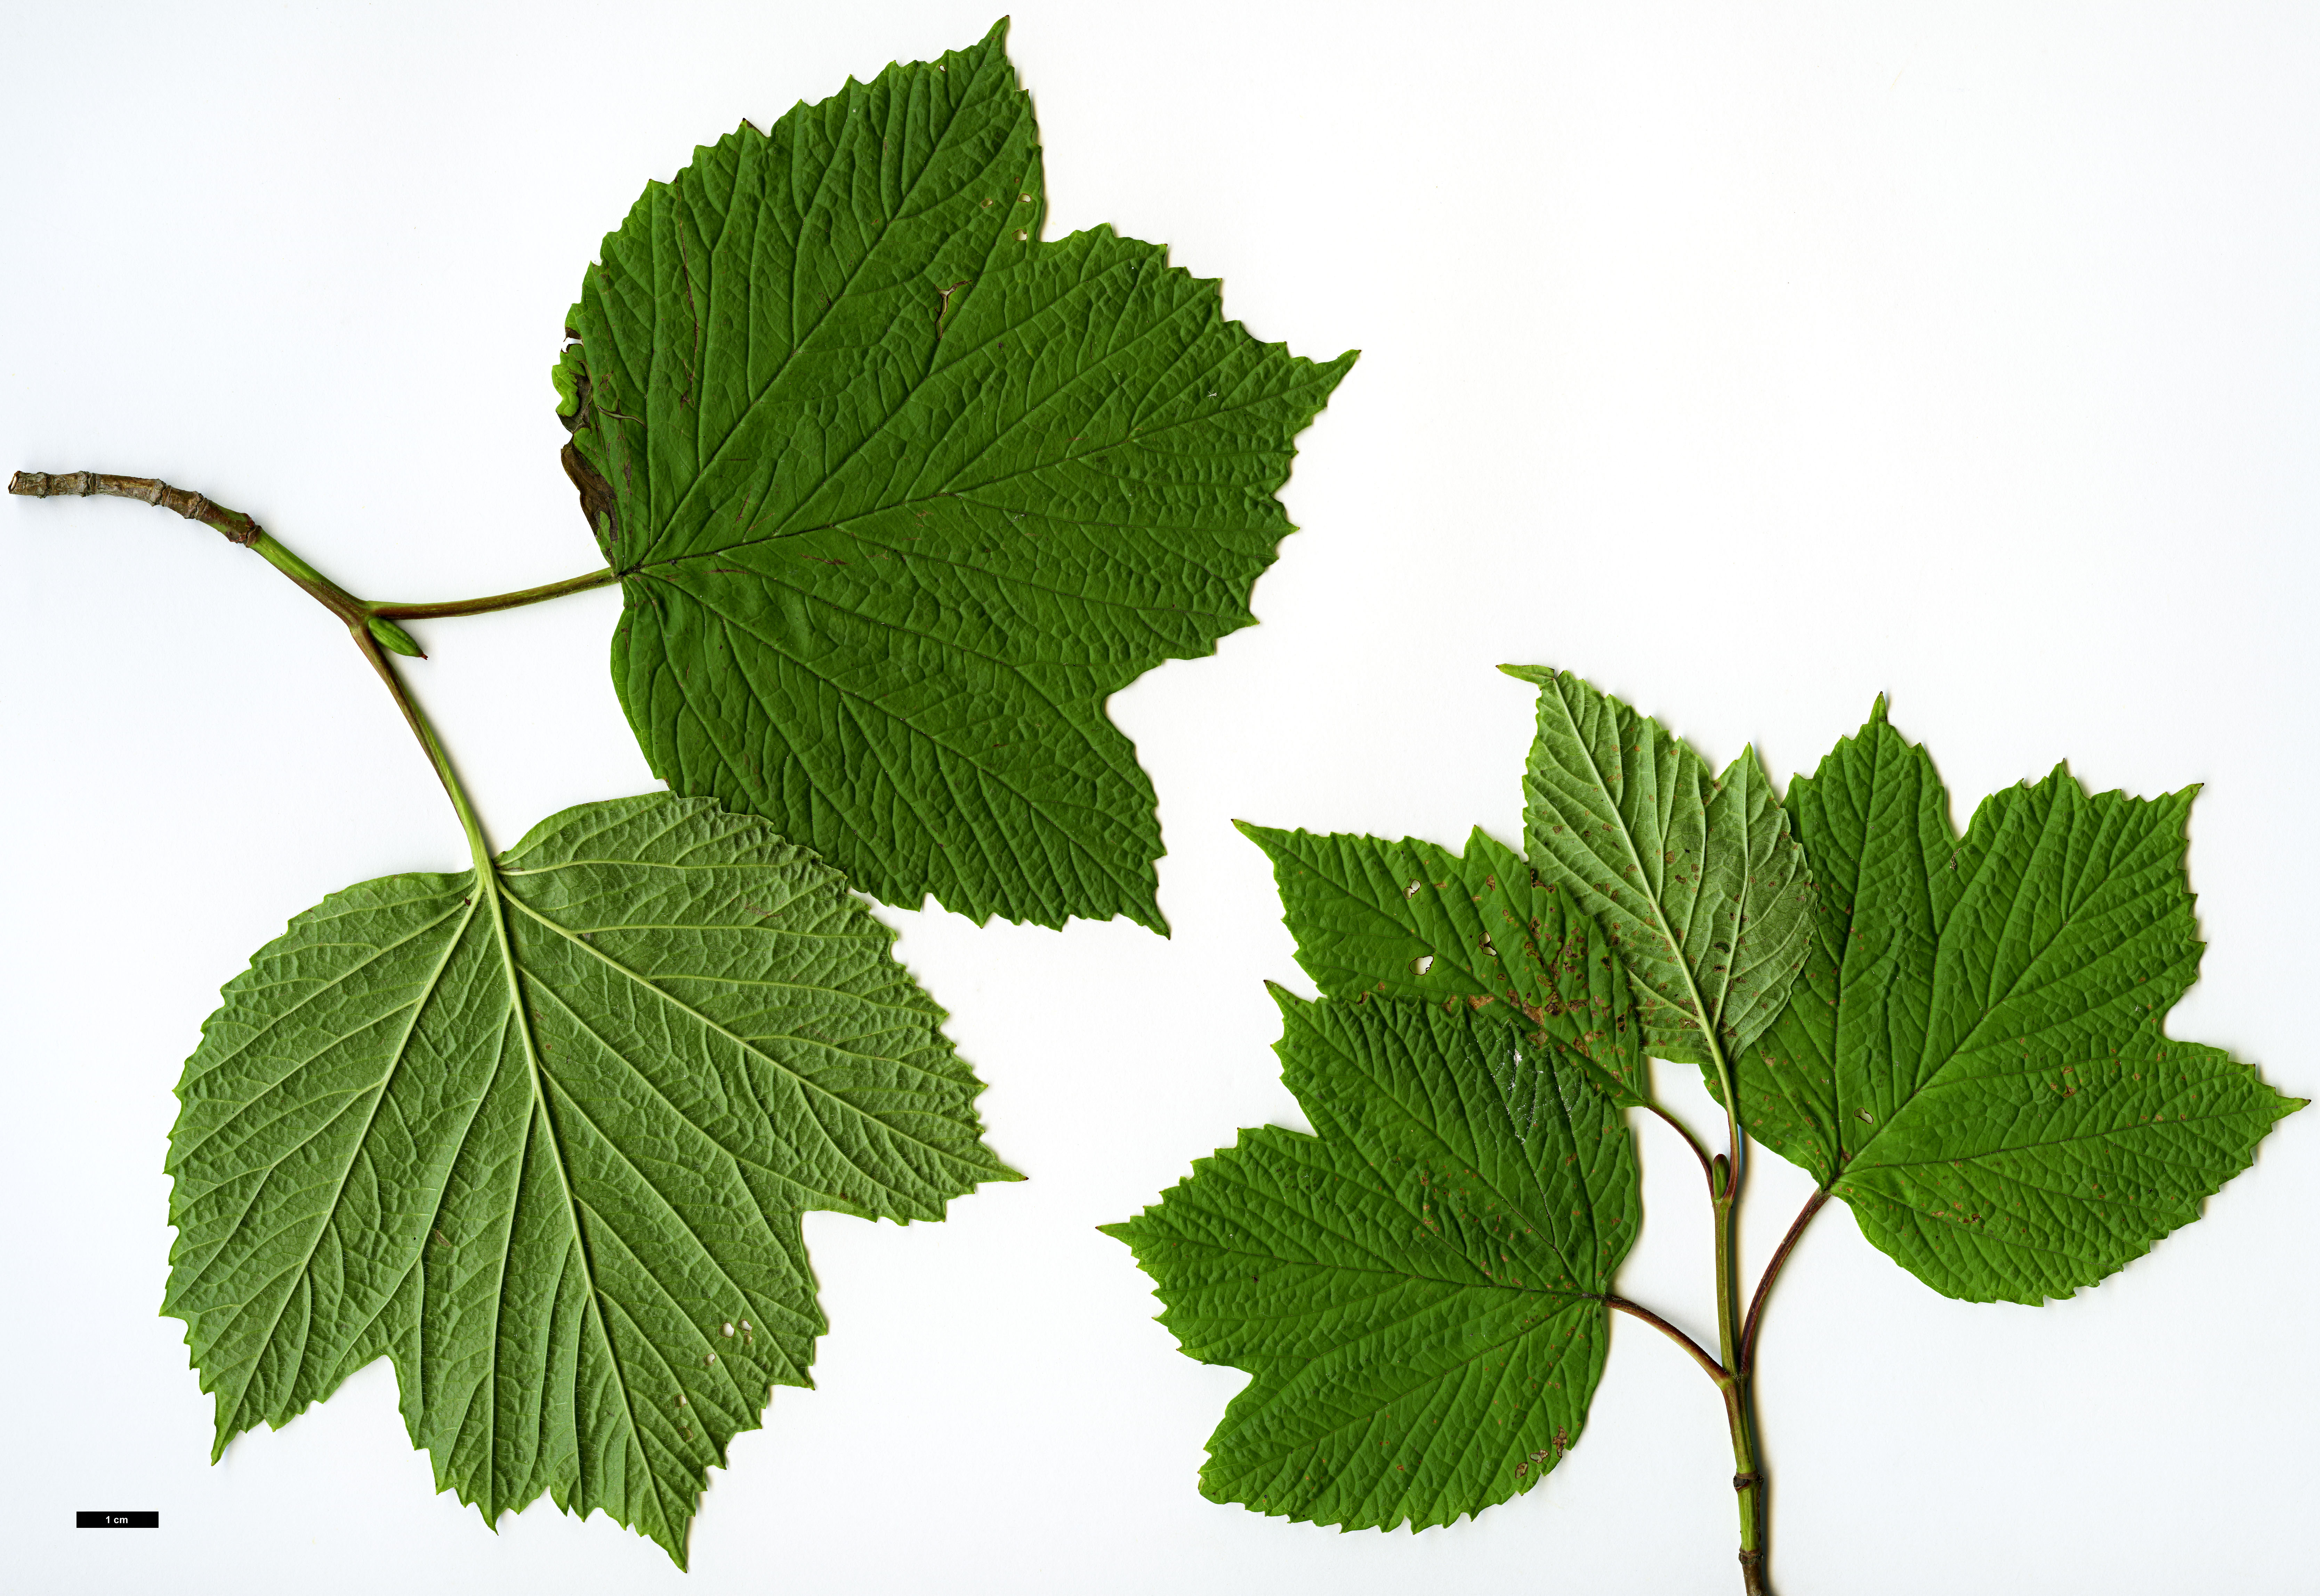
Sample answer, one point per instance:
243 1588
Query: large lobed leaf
1977 1058
900 492
545 1141
1417 1289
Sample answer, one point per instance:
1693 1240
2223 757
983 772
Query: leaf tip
1268 837
1283 995
993 36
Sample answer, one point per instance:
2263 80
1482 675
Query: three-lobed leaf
545 1141
1976 1059
1418 1288
901 492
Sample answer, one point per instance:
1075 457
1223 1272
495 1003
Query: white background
1748 359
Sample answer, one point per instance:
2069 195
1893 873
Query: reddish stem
1706 1167
1701 1354
1747 1359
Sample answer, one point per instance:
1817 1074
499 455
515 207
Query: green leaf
1976 1060
1417 1289
1698 882
901 492
1409 920
545 1141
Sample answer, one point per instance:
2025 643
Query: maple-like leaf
1977 1058
900 492
545 1139
1409 920
1418 1287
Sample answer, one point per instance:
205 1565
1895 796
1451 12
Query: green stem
238 527
364 621
1732 1373
337 600
498 601
1740 1397
424 730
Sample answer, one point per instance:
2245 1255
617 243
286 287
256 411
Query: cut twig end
236 527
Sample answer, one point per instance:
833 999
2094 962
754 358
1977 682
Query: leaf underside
1417 1288
1696 879
902 492
546 1144
1976 1057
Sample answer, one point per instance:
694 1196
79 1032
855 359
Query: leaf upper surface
1409 920
901 492
1697 881
1977 1059
545 1141
1417 1288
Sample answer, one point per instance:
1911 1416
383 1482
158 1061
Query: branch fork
361 615
372 624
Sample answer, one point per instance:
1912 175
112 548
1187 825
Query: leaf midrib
805 1082
1685 760
520 1019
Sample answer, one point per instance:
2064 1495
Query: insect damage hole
1421 964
